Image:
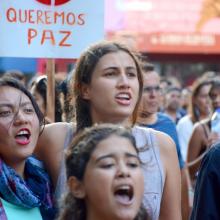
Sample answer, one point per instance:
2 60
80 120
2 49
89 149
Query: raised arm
171 198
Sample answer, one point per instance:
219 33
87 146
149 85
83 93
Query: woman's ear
85 92
76 187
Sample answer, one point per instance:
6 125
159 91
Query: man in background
148 116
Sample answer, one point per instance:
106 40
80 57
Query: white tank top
154 177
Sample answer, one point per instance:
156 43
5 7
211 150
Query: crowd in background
183 113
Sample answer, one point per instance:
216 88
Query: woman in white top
199 108
108 87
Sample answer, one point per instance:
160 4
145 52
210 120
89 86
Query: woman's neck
115 120
203 116
147 119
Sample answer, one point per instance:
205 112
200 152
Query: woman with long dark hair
25 189
107 88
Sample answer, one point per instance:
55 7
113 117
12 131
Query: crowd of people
125 144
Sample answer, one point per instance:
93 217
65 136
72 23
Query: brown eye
133 163
131 74
5 113
109 74
107 166
29 110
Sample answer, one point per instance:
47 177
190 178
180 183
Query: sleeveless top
154 177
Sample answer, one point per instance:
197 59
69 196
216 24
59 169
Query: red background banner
168 26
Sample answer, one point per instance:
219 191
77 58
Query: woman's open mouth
124 194
123 98
23 137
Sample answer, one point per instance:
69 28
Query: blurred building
180 36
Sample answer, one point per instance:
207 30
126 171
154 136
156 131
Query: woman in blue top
24 185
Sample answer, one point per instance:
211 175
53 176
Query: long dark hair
40 85
83 75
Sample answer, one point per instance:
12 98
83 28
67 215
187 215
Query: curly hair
78 155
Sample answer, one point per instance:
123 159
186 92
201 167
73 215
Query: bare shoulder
168 152
165 142
171 199
54 131
199 125
53 136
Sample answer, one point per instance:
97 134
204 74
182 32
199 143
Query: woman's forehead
12 94
120 58
121 144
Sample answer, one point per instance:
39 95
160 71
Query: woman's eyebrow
111 68
12 105
104 157
6 105
116 67
131 67
25 103
131 155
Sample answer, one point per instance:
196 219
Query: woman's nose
123 170
123 80
20 118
